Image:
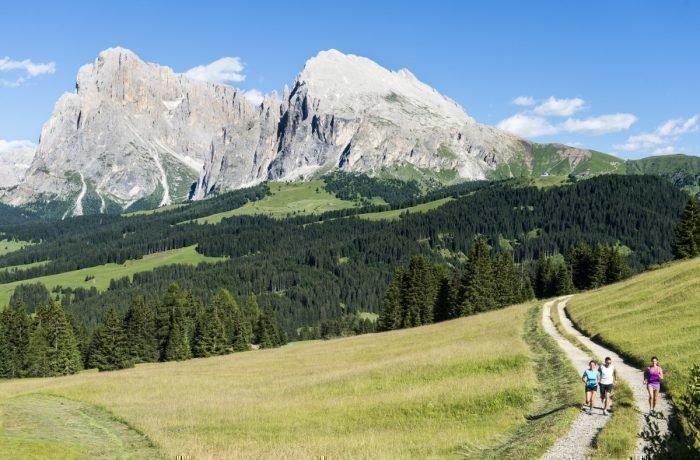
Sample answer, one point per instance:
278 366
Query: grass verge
557 401
619 436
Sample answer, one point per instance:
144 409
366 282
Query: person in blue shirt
590 378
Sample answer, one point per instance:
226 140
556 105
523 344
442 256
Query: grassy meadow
652 314
7 246
462 387
395 214
100 276
287 198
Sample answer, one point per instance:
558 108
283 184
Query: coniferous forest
320 276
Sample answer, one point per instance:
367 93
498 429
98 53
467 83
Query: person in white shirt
608 378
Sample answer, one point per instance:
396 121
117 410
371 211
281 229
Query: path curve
626 372
576 444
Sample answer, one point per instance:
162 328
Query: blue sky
621 77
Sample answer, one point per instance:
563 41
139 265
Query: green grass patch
417 393
46 427
396 213
147 212
652 314
102 274
619 436
444 151
368 315
287 199
556 404
16 268
8 246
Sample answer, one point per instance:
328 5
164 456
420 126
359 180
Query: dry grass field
445 390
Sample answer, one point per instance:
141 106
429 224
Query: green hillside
653 314
441 391
100 276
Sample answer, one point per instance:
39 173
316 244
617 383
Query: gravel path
576 444
630 374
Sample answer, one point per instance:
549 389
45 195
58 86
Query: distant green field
13 268
440 391
12 246
653 314
549 181
297 198
104 273
396 213
154 211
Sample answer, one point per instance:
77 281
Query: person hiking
652 379
608 378
590 378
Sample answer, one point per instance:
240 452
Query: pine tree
109 349
251 313
242 335
543 277
599 266
63 353
686 243
616 268
178 347
563 284
13 348
164 317
268 331
38 364
140 329
81 336
210 337
478 288
392 311
444 302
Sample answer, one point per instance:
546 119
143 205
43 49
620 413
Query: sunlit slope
654 314
434 391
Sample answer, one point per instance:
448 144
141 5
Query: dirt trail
570 445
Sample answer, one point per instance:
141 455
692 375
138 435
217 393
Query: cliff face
138 131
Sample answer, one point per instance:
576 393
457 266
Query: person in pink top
652 379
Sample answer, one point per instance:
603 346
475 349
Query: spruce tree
242 334
392 311
63 353
210 337
477 292
563 284
109 349
81 336
164 317
14 346
140 329
686 242
178 346
38 364
444 302
543 277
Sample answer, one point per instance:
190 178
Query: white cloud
226 69
664 134
603 124
526 125
7 147
255 96
664 151
26 68
559 107
524 101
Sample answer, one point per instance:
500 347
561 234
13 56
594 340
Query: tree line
178 327
425 293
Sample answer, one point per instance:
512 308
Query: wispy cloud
25 70
529 125
226 69
554 107
524 101
15 146
662 137
255 96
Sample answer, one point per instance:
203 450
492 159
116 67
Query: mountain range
136 135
